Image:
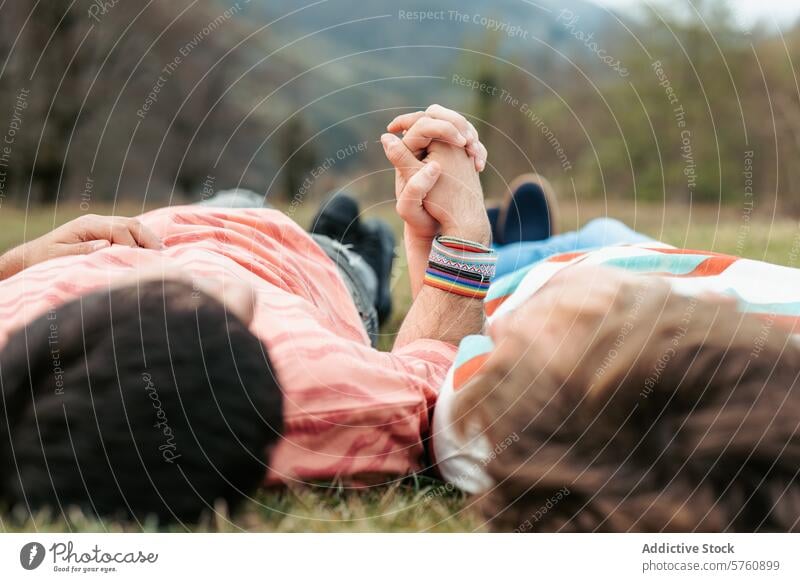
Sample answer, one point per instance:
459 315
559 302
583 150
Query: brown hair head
670 414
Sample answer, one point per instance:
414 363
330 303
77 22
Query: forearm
435 313
440 315
417 252
10 263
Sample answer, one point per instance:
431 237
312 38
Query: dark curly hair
136 401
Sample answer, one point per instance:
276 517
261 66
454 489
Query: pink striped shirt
349 409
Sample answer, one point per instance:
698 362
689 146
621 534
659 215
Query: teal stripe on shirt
659 263
473 346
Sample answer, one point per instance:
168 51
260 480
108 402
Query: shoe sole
549 196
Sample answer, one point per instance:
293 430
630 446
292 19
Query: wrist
477 231
412 239
461 266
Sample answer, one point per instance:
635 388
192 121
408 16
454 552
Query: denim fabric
359 278
600 232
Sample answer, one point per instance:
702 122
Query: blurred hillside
172 100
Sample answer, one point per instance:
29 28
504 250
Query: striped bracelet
460 266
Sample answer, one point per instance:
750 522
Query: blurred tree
129 100
478 64
297 156
100 118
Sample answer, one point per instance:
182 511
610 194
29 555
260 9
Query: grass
417 504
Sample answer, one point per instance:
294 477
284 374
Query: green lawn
420 504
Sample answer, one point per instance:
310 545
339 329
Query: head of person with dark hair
142 400
635 408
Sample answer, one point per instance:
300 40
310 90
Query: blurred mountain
159 102
386 28
358 63
178 99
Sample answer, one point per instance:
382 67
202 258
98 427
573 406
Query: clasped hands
437 187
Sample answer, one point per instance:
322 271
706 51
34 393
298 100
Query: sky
772 12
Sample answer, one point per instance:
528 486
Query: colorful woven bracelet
460 266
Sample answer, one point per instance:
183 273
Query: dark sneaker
337 218
493 214
372 239
529 211
375 244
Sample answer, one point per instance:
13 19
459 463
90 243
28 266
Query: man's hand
437 184
456 200
81 236
433 116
